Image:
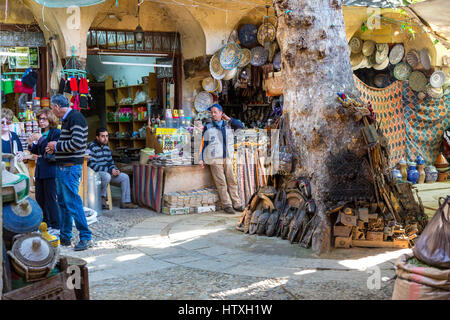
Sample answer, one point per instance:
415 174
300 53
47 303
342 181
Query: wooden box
347 219
363 214
342 231
343 242
401 243
374 236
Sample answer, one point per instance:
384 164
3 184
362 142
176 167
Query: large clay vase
413 174
420 168
441 162
431 174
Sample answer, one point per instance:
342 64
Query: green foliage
364 28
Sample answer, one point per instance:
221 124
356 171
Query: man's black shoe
65 243
83 245
229 210
240 208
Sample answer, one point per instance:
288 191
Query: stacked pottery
420 167
442 167
413 174
403 169
431 174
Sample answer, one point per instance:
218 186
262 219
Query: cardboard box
343 242
347 219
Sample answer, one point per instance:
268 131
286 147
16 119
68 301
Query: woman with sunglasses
10 140
45 172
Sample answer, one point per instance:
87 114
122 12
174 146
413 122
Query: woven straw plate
402 71
412 57
368 47
355 45
229 74
266 32
417 81
230 55
437 79
259 56
203 101
425 59
210 84
215 68
396 54
248 35
246 56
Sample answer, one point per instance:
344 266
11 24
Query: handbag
274 84
49 157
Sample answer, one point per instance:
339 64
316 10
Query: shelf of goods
113 96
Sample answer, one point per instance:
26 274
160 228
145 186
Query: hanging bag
19 166
433 245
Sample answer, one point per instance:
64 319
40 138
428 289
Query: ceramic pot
421 173
420 160
413 174
431 174
441 162
403 169
396 174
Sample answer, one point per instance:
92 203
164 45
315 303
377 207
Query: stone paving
203 256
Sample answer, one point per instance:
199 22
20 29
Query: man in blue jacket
217 152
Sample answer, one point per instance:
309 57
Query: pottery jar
413 174
431 174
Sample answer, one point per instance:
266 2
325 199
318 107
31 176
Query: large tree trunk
316 65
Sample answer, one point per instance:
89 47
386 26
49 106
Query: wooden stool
109 197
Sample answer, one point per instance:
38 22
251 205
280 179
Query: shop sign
164 72
30 60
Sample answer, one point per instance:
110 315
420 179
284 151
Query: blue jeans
70 204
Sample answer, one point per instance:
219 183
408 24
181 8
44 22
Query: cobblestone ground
182 282
188 283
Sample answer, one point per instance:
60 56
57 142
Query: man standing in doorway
217 152
69 153
101 161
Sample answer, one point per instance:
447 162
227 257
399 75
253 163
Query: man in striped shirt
69 152
101 161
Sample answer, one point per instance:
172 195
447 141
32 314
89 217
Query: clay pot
431 174
442 176
413 174
403 169
441 162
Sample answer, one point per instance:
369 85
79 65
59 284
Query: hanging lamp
139 32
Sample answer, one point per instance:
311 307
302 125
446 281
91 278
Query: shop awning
436 14
66 4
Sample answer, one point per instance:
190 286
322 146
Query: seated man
101 161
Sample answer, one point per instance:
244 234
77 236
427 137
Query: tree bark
316 65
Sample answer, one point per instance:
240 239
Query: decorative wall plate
425 59
382 65
266 32
368 47
233 36
355 45
417 81
402 71
229 74
435 93
259 56
412 57
277 61
215 68
396 54
381 52
230 55
246 56
210 84
203 101
437 79
248 35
